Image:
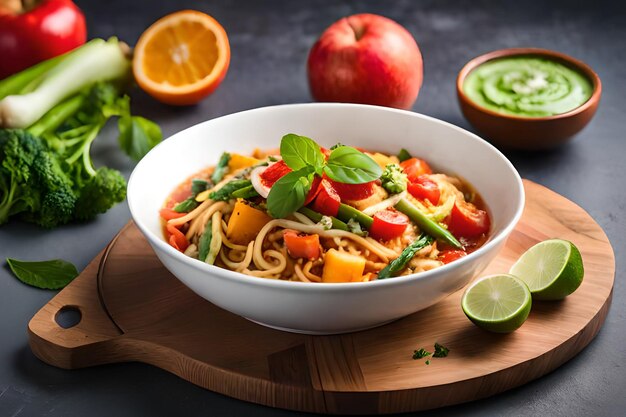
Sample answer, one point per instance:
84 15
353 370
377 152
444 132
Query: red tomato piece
274 172
388 224
300 245
177 239
415 167
447 256
466 220
354 192
327 201
315 188
423 188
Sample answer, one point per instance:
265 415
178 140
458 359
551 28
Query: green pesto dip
527 86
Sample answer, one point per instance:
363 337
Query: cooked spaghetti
310 214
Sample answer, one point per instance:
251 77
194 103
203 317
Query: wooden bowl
528 133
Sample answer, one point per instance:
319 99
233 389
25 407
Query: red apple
366 58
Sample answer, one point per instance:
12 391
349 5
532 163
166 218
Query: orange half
182 58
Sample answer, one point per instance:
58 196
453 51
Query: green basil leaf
347 165
138 135
288 193
52 275
300 151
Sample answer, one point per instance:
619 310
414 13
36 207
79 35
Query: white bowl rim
276 283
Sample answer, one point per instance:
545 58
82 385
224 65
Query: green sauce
527 86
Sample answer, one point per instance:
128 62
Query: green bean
397 265
426 224
347 212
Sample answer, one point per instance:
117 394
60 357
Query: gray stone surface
270 41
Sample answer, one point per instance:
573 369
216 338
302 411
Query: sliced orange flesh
182 57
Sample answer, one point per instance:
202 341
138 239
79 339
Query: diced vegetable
393 179
169 214
317 217
399 264
226 192
347 212
423 188
186 206
388 224
176 238
245 223
447 256
342 267
427 225
221 168
238 161
274 172
245 192
327 201
205 241
467 220
301 245
415 167
353 192
381 159
404 155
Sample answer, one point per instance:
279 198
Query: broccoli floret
32 183
16 160
100 193
393 179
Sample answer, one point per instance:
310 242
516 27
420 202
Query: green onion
426 224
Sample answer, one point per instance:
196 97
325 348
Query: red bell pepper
327 201
43 31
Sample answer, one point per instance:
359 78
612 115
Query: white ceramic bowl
325 308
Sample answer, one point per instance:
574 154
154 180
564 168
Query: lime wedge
498 303
552 269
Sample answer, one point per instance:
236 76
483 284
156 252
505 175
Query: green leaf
53 274
403 155
288 193
138 135
440 351
300 151
347 165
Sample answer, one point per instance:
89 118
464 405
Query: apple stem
357 28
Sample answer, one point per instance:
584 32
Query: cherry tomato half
301 245
447 256
274 172
423 188
467 220
388 224
415 167
327 201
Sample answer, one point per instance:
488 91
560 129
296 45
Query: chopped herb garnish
420 353
440 351
427 362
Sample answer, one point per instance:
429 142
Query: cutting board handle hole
68 317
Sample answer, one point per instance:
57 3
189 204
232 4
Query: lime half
498 303
552 269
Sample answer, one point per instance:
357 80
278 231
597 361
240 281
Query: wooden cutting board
133 309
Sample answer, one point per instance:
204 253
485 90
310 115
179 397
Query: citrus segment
182 57
498 303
